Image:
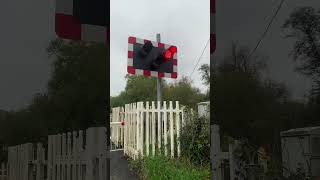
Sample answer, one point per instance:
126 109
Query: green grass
162 168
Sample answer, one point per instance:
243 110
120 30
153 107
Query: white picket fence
78 155
3 171
117 129
26 161
149 128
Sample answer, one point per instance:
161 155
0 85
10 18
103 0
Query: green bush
163 168
195 140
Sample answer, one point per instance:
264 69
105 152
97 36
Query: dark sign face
93 12
146 62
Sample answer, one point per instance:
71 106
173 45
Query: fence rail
149 128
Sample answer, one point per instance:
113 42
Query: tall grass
159 167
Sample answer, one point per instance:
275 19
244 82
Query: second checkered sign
151 58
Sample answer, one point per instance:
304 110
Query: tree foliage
140 88
245 104
74 99
303 26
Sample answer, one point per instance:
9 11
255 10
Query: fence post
147 128
178 127
125 129
171 129
153 128
215 143
159 126
138 126
165 128
141 126
231 162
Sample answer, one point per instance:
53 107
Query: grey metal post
159 85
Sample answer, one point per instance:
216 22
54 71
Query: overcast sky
184 23
28 26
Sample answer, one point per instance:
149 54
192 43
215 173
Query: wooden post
141 126
159 126
165 128
125 138
215 152
138 127
171 129
178 127
153 128
231 162
147 128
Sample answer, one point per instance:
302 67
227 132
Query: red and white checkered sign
212 26
132 70
67 27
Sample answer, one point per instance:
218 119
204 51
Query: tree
245 104
205 77
303 25
184 92
75 98
140 88
78 87
205 74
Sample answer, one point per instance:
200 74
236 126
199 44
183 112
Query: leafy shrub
195 140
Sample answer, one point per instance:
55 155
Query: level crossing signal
150 58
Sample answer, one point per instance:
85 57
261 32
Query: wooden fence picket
165 128
178 128
147 128
159 125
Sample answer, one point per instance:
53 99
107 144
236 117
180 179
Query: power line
200 57
268 27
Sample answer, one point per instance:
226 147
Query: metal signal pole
159 85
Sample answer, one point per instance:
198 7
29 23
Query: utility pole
159 85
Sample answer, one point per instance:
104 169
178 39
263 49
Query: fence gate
117 129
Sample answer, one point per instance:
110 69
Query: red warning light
169 53
173 49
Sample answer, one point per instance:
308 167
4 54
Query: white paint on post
171 129
153 129
165 128
138 127
147 128
178 127
141 114
159 125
